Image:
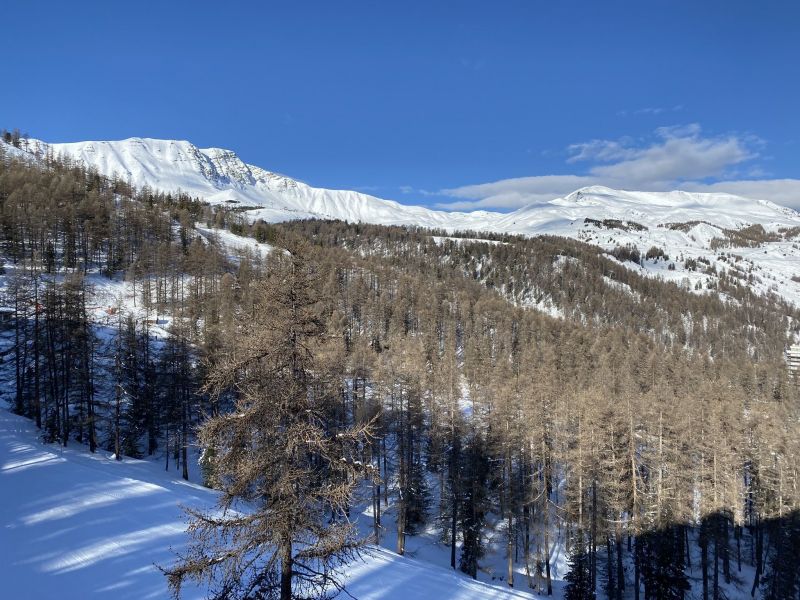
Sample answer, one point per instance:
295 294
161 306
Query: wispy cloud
672 157
601 150
650 110
513 193
473 64
785 192
407 189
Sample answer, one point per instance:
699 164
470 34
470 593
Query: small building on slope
793 359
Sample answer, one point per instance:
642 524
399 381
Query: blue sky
453 104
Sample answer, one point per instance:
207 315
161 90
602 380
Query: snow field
76 525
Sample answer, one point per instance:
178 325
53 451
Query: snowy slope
75 525
221 177
650 209
686 225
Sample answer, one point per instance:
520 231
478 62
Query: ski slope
79 526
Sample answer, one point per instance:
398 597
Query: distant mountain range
762 238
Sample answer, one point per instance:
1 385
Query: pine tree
473 504
579 577
662 563
134 408
782 581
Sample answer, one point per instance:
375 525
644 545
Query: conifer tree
579 577
274 452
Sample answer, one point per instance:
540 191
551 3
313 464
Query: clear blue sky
407 98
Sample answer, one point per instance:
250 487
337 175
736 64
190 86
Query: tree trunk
620 568
704 558
18 366
385 473
375 457
726 555
401 504
286 570
547 562
510 550
117 413
738 534
636 567
716 558
37 403
526 543
453 531
185 439
510 535
759 549
610 568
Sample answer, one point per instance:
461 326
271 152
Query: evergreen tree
472 505
579 577
782 581
134 407
662 563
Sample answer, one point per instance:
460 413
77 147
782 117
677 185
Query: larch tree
274 452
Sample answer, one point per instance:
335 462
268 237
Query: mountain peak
598 190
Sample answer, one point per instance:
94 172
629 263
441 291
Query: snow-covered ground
234 244
76 525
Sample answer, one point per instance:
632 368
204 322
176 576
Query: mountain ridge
218 175
686 226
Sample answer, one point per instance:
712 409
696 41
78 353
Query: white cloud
513 193
678 131
678 157
650 110
407 189
679 153
602 150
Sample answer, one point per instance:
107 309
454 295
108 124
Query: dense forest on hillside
651 430
579 281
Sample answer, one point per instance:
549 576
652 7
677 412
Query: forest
650 429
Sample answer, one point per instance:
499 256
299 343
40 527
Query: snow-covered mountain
651 209
687 226
702 235
221 177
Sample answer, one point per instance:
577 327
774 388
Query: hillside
752 239
745 238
